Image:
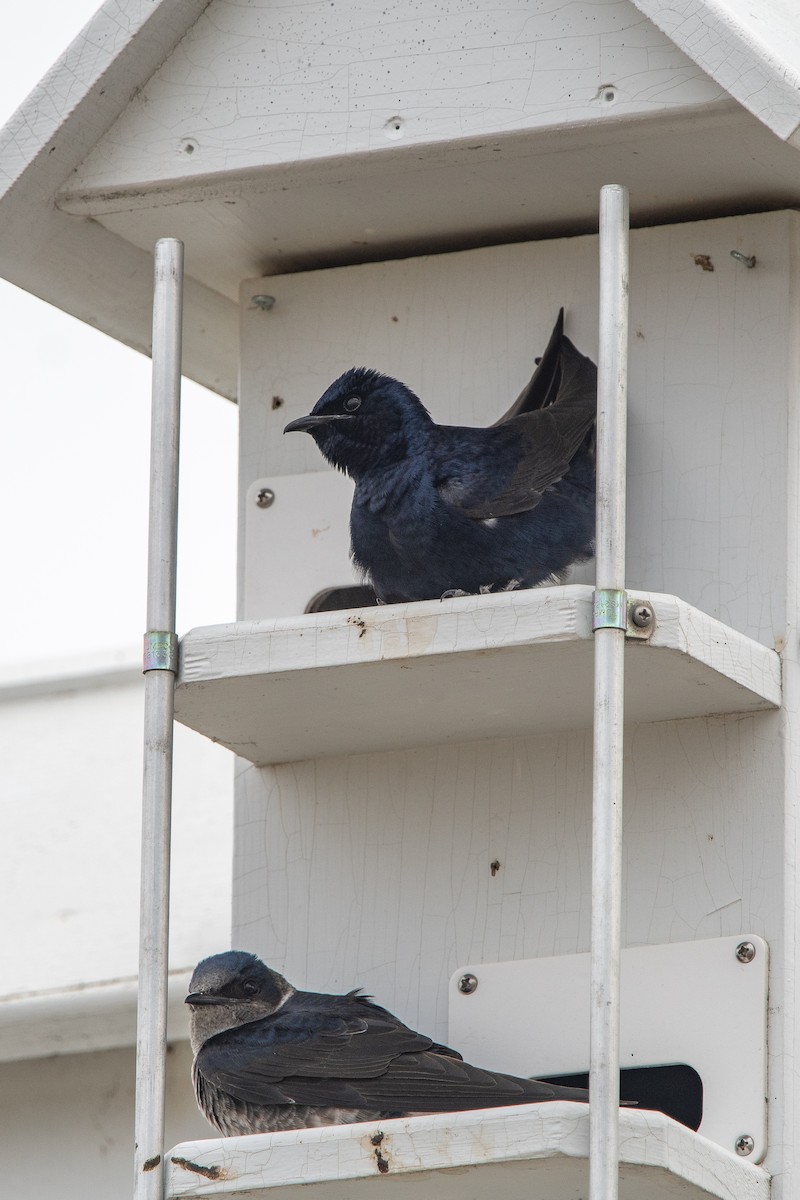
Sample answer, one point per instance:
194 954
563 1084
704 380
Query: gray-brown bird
268 1057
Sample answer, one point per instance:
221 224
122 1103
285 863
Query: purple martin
268 1057
448 509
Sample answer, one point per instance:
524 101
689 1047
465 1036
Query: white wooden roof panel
253 86
297 165
751 49
102 278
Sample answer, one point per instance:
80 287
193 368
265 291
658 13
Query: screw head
265 497
467 984
642 616
745 953
265 303
745 1145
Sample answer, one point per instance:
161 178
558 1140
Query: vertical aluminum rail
160 661
610 619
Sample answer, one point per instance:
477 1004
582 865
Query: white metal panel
298 545
534 1152
688 1002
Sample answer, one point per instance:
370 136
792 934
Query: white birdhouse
414 189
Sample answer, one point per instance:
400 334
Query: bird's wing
428 1082
362 1058
259 1061
511 464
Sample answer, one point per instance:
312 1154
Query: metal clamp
160 651
609 609
613 608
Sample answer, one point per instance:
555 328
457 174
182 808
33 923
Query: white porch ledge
472 667
528 1152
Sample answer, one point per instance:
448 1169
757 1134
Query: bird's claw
451 593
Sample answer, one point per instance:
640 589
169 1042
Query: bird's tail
542 387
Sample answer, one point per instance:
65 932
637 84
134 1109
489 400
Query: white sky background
75 449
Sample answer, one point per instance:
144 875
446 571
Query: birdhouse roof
278 137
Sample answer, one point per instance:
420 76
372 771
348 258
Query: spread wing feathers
542 387
364 1059
540 445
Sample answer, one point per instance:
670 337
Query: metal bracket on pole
614 608
609 609
160 651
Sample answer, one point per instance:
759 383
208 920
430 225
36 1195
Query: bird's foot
451 592
511 586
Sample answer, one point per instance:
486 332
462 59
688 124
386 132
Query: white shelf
528 1152
472 667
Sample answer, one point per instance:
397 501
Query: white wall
70 825
66 1123
71 749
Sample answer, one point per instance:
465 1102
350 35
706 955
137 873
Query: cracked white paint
751 49
264 84
443 671
374 869
522 1153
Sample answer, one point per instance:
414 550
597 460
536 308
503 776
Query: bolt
745 952
467 984
265 303
642 616
749 260
265 497
745 1145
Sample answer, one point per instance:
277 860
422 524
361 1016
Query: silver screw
265 303
745 1145
749 260
745 952
265 497
642 616
467 984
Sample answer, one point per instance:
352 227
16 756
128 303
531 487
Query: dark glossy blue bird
268 1057
444 509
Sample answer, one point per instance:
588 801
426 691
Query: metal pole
610 619
160 660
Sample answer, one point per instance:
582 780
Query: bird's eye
352 403
249 987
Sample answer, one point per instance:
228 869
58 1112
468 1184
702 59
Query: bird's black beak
204 998
306 424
